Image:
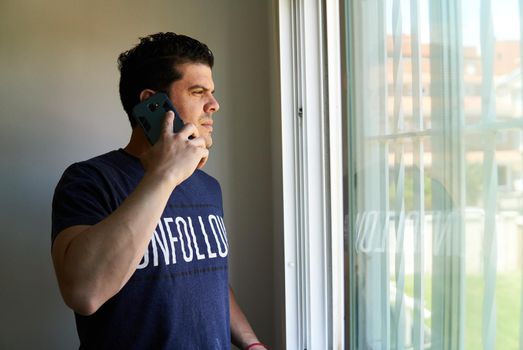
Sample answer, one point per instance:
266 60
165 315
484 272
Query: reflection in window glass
434 174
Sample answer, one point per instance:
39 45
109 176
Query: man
139 244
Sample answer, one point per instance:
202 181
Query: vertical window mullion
520 8
447 162
367 71
384 179
418 183
335 160
491 183
399 171
384 229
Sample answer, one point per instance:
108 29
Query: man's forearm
242 333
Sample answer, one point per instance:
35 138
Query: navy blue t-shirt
178 297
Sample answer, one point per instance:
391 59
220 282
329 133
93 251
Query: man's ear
145 94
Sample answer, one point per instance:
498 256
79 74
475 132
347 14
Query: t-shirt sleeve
79 199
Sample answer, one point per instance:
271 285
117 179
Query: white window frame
310 80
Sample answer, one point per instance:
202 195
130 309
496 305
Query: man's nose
213 105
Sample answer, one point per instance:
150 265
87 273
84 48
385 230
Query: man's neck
138 143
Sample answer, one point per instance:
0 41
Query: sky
505 17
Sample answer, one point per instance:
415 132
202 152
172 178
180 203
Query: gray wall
59 104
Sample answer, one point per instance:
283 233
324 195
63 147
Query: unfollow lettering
203 239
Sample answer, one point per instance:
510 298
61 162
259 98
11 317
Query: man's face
193 98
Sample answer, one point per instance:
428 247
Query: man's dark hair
152 64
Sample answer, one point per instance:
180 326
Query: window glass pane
434 174
505 288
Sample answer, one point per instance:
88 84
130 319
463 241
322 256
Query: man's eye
198 92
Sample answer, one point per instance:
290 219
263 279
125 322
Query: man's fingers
198 142
189 131
168 123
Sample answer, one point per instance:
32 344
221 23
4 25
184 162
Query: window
433 174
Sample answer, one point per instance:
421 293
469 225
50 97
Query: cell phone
150 114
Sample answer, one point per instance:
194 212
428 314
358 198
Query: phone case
150 114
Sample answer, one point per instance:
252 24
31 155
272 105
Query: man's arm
242 333
92 263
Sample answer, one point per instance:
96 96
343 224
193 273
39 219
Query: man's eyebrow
196 87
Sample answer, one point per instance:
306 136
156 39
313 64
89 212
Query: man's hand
175 157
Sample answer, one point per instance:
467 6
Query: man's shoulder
104 168
206 178
106 161
107 158
201 173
